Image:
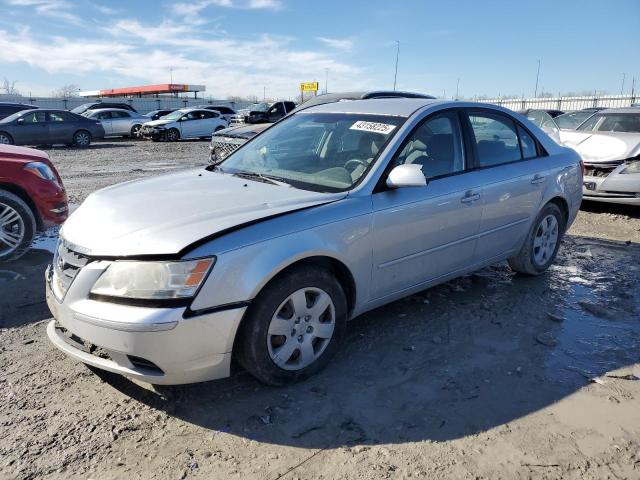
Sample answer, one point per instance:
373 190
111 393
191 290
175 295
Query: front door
32 129
422 234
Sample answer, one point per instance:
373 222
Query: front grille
66 265
601 170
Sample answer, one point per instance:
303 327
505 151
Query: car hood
602 147
23 154
157 123
164 215
244 131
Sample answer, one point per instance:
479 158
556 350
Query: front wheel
5 139
135 131
293 327
17 226
172 135
541 246
82 139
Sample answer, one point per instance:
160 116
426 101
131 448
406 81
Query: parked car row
608 140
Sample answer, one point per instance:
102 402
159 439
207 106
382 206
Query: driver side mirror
406 175
20 121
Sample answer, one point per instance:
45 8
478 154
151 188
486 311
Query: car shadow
613 208
461 358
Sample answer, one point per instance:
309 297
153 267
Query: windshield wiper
264 178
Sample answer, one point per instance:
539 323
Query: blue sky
237 47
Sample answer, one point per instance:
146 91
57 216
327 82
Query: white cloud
191 11
337 43
58 9
137 52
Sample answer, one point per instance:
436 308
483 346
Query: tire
82 139
16 235
135 130
273 331
172 135
5 139
539 249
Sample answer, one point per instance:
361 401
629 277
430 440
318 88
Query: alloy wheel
82 139
12 229
4 139
545 240
301 328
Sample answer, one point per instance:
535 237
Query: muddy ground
486 377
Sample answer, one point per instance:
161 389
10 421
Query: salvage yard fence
565 103
142 105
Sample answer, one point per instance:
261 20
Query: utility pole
395 76
326 80
264 94
171 75
457 87
535 93
622 88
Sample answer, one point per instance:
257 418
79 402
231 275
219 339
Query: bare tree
9 87
66 91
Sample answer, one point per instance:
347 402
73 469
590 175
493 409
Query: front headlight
153 280
43 171
631 167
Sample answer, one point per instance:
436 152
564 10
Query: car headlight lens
632 167
43 171
153 280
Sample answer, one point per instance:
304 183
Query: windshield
82 108
13 117
571 120
259 107
327 152
613 122
173 115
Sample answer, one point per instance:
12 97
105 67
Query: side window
495 137
436 144
115 114
529 149
35 117
210 114
58 117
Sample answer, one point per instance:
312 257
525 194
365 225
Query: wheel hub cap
11 229
545 240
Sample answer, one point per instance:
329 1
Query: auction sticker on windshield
376 127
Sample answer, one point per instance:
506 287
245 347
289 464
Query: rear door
514 174
120 123
61 127
32 129
422 234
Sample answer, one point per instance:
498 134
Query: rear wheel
541 246
17 226
82 139
172 135
5 139
293 327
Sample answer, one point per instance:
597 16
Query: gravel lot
489 376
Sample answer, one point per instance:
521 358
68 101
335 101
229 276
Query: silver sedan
334 211
118 122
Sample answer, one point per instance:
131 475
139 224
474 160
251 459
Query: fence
565 103
142 105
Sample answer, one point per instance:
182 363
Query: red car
32 198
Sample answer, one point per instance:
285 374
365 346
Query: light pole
622 88
457 87
171 75
326 80
395 76
535 93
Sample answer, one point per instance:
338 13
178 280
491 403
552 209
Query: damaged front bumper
612 183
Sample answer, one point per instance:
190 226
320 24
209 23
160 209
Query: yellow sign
309 87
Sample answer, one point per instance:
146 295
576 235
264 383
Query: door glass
58 117
35 117
496 139
436 145
529 149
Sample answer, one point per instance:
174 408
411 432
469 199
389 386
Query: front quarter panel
249 258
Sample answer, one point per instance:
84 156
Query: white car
184 123
117 122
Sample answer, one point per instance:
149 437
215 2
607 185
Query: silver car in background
609 144
118 122
331 212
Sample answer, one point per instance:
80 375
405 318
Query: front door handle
538 179
470 197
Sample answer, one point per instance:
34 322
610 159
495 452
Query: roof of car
620 110
110 109
402 107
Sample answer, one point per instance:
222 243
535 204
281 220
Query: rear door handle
538 179
470 197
